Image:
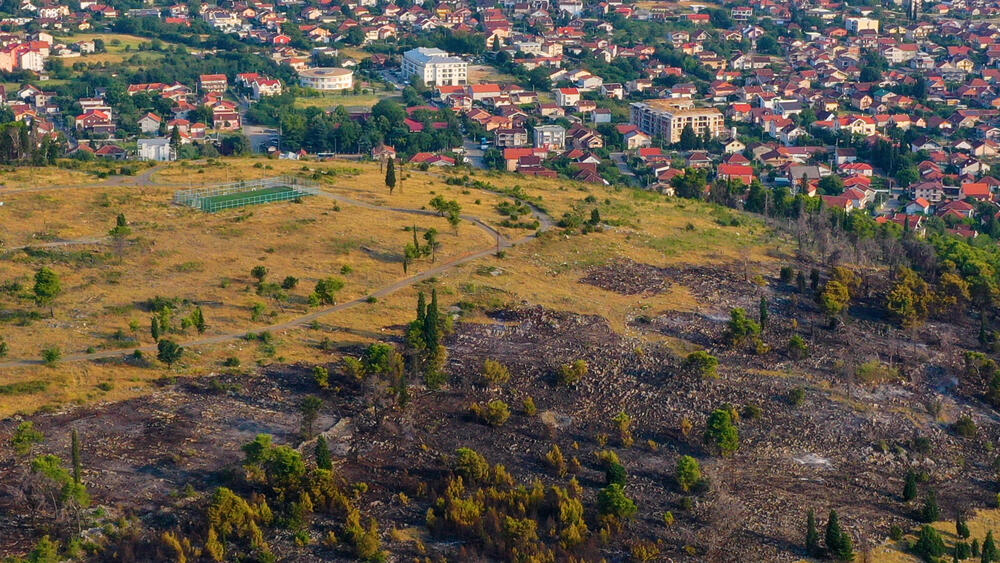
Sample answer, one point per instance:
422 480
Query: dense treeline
318 131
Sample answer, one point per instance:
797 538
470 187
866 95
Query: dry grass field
205 259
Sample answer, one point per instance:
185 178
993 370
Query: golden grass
348 101
981 522
206 258
200 257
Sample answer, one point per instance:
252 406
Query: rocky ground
846 446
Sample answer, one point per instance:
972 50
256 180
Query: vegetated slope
837 429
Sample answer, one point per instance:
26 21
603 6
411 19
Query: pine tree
910 488
75 452
390 175
989 552
838 543
323 458
812 535
930 511
961 526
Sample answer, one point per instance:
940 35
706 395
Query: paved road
473 153
619 159
544 220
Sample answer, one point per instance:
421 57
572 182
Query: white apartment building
435 67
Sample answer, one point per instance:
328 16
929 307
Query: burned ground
627 277
846 446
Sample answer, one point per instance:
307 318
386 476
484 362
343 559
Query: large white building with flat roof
435 67
326 78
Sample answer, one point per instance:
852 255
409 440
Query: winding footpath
544 221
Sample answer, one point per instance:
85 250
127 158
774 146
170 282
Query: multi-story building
551 137
435 67
859 24
666 118
216 83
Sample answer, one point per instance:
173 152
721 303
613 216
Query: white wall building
326 78
155 149
435 67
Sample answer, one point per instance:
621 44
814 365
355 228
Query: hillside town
890 110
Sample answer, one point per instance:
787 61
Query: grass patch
24 387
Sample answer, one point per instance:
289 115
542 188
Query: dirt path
545 223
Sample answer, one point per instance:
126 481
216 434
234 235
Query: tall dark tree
390 175
323 458
838 543
989 552
431 319
961 526
762 313
310 411
688 139
812 535
75 452
910 488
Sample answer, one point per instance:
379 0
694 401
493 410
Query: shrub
688 472
51 355
556 460
571 374
701 363
495 413
965 426
721 432
529 406
797 348
796 396
321 376
495 372
741 327
615 474
470 465
612 501
874 372
786 274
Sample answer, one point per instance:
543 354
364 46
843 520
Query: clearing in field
243 194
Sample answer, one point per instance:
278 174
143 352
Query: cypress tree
390 175
431 323
323 458
416 243
75 452
154 328
421 307
762 307
975 548
910 488
812 535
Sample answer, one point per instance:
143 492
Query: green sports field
254 197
